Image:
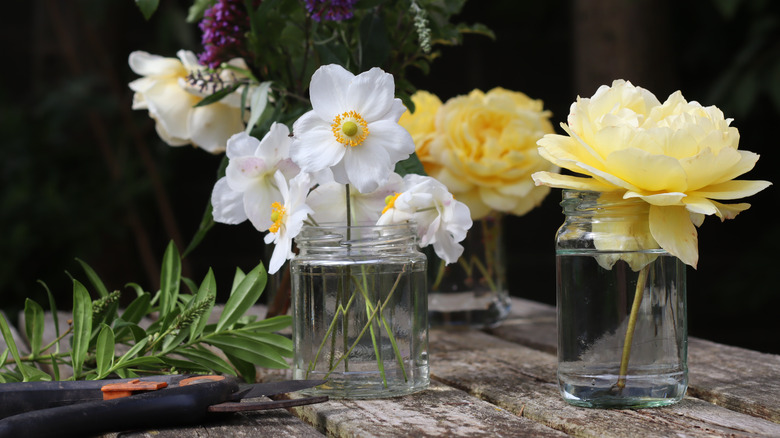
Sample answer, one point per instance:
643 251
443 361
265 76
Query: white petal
241 145
212 125
315 148
145 64
257 203
372 94
171 106
228 205
275 145
327 91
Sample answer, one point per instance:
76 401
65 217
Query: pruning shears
82 408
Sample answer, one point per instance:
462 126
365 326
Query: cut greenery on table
101 341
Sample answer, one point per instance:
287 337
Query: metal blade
265 405
274 388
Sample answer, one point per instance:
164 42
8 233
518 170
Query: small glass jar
360 310
472 292
622 328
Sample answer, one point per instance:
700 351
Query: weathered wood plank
739 379
439 411
275 423
522 380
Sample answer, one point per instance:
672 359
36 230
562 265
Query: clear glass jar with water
621 300
360 310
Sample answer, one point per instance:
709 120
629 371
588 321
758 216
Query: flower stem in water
640 289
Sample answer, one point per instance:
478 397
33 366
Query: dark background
84 176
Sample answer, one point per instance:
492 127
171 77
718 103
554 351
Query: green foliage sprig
101 342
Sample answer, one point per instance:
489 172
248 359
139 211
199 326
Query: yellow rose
677 156
484 151
422 125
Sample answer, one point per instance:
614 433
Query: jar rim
356 235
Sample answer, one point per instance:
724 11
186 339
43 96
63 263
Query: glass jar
360 310
622 328
471 292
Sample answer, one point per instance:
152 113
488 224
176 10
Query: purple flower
224 27
330 10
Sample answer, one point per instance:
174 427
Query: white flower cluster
351 136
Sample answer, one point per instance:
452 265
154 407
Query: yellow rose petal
659 199
730 211
673 230
570 182
733 189
656 172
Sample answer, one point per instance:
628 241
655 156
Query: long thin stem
377 309
640 289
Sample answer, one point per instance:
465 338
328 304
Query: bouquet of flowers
313 66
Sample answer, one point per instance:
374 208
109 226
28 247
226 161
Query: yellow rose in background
484 149
677 156
422 126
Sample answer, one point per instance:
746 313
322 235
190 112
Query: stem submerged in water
640 289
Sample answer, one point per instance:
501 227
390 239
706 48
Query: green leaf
137 288
82 326
257 104
207 359
170 280
104 351
374 41
141 360
134 350
248 350
11 344
180 365
207 288
278 343
147 7
54 313
273 324
94 279
138 308
218 95
411 165
243 297
33 325
33 374
237 278
206 223
195 13
245 368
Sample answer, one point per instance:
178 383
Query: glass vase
622 328
360 311
472 292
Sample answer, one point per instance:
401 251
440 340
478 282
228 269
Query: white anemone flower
329 202
164 90
249 188
288 217
353 128
441 220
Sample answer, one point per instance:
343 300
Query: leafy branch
101 342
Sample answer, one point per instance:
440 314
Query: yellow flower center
390 202
349 128
277 215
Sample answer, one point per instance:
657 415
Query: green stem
377 309
640 289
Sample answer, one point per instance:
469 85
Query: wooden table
501 383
